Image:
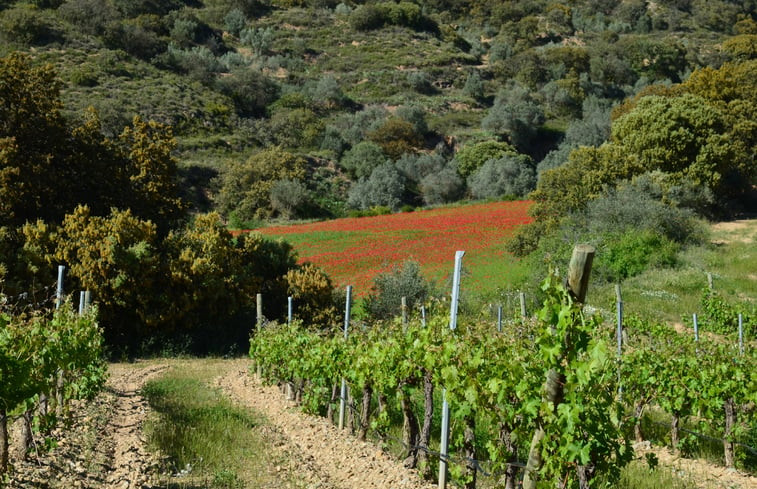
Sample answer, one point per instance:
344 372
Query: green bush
385 298
385 187
27 26
366 18
512 175
628 254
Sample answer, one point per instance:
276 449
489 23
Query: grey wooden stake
741 334
289 310
696 328
343 397
499 318
259 315
578 284
522 297
59 291
444 444
403 306
423 316
81 302
709 280
87 299
619 334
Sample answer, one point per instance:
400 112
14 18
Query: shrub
296 128
418 81
134 39
312 296
396 137
328 93
471 157
511 175
628 254
89 16
414 115
25 25
474 86
640 205
235 21
361 159
259 39
250 90
442 187
366 18
288 197
385 187
385 299
246 187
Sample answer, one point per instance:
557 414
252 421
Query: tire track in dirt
100 443
337 459
130 459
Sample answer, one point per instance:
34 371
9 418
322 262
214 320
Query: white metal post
444 444
343 396
59 292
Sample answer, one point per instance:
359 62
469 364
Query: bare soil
100 443
334 458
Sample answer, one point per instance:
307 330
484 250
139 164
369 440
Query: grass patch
670 294
207 441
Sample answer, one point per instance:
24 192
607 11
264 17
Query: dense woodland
133 133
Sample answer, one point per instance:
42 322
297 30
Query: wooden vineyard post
444 443
343 396
289 310
577 284
403 306
522 297
499 318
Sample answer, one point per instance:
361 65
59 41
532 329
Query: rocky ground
101 444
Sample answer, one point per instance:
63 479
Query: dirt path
100 445
705 474
333 458
131 462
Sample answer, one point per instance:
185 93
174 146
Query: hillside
360 91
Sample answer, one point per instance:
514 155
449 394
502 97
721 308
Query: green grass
670 294
207 441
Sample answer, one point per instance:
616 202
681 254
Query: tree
471 157
385 299
288 197
246 187
152 172
510 175
442 186
396 137
515 115
32 136
385 187
684 136
363 158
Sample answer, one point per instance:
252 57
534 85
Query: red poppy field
353 250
